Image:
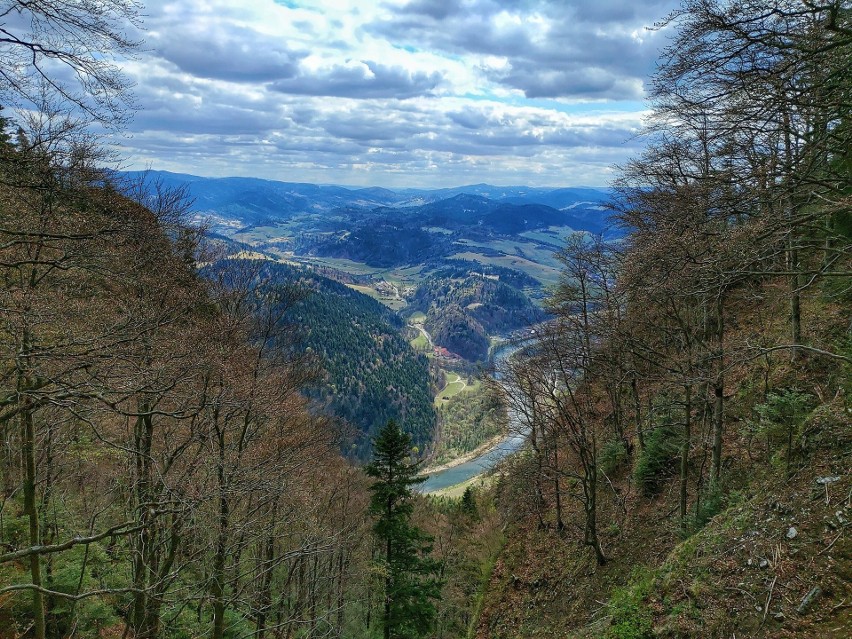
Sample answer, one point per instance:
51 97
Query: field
547 275
420 343
455 385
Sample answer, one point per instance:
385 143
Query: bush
781 416
658 459
710 505
631 618
613 454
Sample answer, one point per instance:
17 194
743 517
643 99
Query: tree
66 52
410 581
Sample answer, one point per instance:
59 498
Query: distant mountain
476 260
252 201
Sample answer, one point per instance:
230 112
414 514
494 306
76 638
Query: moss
628 609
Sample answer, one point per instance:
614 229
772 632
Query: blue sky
393 93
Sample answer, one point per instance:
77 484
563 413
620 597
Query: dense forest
370 373
463 311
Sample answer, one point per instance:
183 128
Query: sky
394 93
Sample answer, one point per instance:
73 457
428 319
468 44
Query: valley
462 268
240 408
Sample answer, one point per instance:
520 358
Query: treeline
161 474
370 373
734 280
459 269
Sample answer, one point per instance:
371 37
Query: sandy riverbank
476 452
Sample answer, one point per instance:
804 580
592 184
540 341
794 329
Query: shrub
782 415
658 459
613 454
709 506
631 618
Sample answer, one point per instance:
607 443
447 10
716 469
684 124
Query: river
487 460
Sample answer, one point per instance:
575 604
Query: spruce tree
411 584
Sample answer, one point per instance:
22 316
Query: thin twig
827 548
769 598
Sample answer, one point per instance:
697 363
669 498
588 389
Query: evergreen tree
411 585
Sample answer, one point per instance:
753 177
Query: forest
689 403
166 471
368 374
464 308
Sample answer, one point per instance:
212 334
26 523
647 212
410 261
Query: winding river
469 469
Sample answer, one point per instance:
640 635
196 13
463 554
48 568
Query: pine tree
411 585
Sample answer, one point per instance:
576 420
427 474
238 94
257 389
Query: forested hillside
171 420
689 405
163 472
464 307
370 374
146 435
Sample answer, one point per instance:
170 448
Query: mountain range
254 201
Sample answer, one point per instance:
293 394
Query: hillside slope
370 373
767 555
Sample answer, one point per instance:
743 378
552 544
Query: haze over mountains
254 201
465 265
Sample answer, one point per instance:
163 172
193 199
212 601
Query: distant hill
432 247
255 200
461 312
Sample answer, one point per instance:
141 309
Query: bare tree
69 50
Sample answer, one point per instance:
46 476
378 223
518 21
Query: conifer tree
411 584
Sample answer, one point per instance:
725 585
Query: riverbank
480 450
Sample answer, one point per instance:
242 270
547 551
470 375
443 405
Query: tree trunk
792 250
560 525
535 441
637 403
217 587
143 440
32 514
684 454
795 303
388 586
592 514
30 508
718 395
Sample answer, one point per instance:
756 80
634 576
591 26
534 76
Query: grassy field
455 385
263 234
551 235
420 343
366 290
533 251
547 275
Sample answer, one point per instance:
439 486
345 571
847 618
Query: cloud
437 9
393 93
579 49
237 56
365 79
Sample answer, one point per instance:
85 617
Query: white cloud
392 93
